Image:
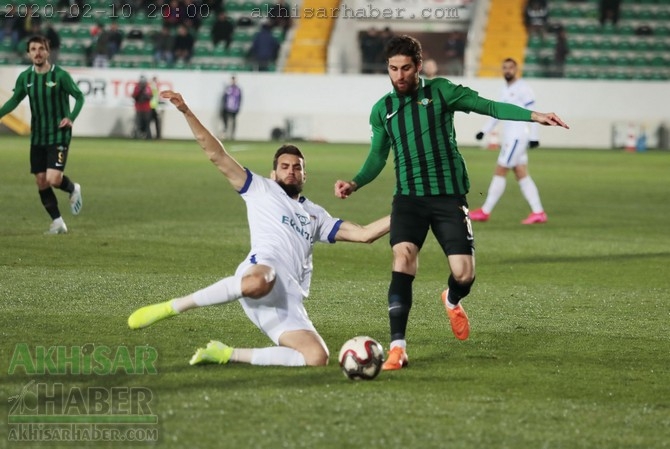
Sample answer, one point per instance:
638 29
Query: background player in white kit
274 278
514 150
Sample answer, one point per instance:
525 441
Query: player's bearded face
509 71
291 190
290 174
404 74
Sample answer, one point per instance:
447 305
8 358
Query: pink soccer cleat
535 218
479 215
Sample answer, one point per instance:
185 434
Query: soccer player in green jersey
49 88
416 121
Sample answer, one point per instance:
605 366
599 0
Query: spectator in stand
71 10
172 15
7 19
264 48
216 5
163 45
454 50
183 45
191 12
14 25
280 17
609 10
222 30
54 42
561 51
114 40
384 37
99 49
31 20
371 47
142 96
536 16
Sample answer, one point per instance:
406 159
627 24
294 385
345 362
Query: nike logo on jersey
29 85
391 114
50 84
58 165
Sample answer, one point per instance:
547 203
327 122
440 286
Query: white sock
496 189
274 355
226 290
532 195
401 343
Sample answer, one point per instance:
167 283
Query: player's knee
405 258
465 279
460 288
316 356
258 285
54 180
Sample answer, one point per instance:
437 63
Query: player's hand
344 188
548 119
65 123
479 136
534 143
176 99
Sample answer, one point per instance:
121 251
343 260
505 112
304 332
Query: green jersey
420 130
49 94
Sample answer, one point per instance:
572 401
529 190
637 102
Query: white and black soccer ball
361 358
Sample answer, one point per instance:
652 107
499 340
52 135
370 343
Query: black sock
50 202
458 291
66 185
400 303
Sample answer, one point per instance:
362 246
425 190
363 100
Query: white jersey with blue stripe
284 228
518 93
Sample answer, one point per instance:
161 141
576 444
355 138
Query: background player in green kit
49 88
416 121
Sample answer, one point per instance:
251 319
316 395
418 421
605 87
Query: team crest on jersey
50 84
425 102
303 219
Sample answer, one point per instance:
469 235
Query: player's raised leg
226 290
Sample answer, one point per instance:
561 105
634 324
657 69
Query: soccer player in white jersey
514 151
274 278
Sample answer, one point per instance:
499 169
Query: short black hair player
49 88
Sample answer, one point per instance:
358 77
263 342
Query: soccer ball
361 358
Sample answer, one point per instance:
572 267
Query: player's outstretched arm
548 119
232 170
352 232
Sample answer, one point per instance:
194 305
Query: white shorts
280 311
513 152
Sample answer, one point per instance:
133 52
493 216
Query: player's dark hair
513 61
404 45
286 149
38 39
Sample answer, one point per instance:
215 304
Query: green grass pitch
569 347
